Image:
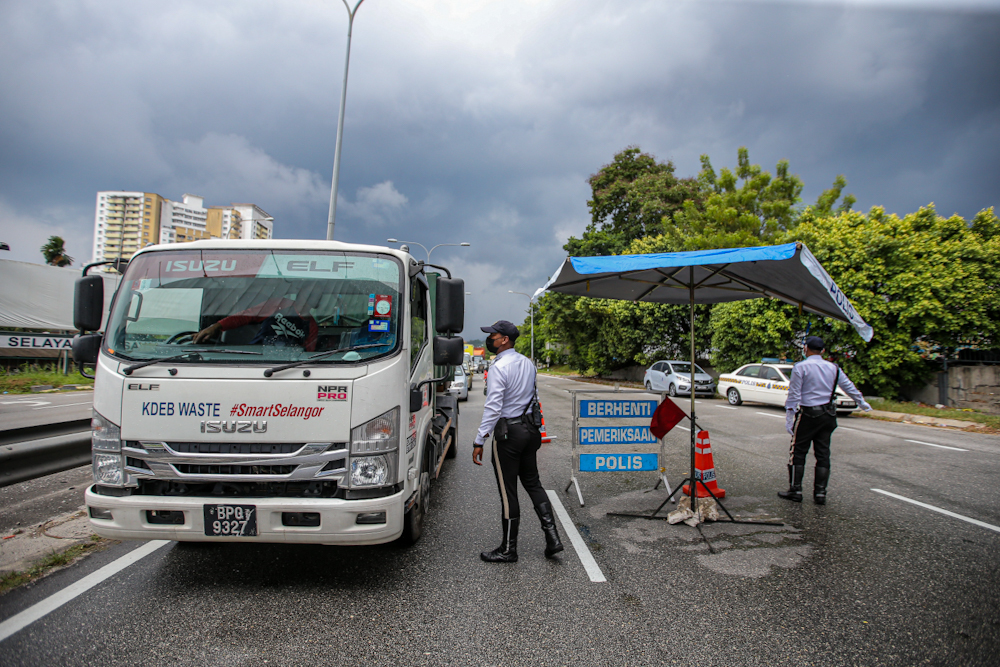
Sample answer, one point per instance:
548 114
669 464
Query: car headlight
369 471
378 435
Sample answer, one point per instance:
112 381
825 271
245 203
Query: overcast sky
480 120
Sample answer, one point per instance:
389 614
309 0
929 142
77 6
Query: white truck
270 391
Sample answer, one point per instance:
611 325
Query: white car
460 384
768 383
674 377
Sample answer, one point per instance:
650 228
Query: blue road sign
616 435
617 408
618 462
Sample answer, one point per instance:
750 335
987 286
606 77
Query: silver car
460 384
674 377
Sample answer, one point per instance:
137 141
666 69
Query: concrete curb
921 419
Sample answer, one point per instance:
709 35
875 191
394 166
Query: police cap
502 327
815 343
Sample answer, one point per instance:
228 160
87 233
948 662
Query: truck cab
270 391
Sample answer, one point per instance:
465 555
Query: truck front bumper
337 525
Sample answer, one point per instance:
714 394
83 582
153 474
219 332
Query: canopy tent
787 272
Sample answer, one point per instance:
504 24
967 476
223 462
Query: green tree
54 252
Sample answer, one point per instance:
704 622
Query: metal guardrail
36 451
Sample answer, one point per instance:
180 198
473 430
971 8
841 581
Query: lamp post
340 124
463 244
531 310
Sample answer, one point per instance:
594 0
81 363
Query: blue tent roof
787 272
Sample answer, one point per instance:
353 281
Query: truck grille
204 462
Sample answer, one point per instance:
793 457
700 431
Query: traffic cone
704 468
545 438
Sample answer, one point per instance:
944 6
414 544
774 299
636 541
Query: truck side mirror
416 398
86 348
448 351
88 304
449 314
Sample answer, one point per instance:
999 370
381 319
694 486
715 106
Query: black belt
514 421
819 410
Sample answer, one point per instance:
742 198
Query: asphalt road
868 579
20 410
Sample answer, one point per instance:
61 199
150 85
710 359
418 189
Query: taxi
768 383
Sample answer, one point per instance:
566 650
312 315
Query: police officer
811 417
510 390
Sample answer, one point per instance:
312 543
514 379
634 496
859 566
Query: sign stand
575 455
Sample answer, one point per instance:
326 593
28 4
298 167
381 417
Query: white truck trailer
270 391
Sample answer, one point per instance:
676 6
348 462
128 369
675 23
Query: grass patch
993 421
20 380
558 370
56 559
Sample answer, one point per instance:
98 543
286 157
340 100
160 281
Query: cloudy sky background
480 121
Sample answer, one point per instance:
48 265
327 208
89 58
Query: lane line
931 444
768 414
36 611
726 407
586 558
976 522
64 405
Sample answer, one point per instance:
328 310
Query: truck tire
453 449
413 520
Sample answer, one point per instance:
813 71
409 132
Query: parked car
768 383
459 384
674 377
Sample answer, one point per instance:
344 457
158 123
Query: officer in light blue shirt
811 417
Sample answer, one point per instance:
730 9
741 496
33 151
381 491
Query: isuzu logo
233 426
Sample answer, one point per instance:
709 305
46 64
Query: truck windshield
283 305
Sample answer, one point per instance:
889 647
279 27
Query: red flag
666 417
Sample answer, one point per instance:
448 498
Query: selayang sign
13 339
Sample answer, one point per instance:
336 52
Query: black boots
819 487
794 492
552 543
507 551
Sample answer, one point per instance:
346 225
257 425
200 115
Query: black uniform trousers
513 458
815 431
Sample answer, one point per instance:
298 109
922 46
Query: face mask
491 345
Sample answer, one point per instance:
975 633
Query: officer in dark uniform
516 439
811 417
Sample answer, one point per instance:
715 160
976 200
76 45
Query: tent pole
694 480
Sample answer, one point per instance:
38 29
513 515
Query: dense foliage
922 281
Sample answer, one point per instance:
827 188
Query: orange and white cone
545 438
704 468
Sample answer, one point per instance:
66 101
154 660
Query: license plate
231 520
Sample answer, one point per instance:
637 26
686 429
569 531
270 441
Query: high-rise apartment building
124 222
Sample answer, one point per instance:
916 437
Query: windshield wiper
128 369
322 355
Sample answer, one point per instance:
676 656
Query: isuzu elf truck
269 391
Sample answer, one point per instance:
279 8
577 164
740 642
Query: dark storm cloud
481 122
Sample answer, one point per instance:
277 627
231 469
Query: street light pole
462 244
531 311
332 219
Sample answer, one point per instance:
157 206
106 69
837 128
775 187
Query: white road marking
36 611
586 558
24 402
683 427
931 444
768 414
976 522
726 407
49 407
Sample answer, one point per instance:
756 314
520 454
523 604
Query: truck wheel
733 397
453 449
413 521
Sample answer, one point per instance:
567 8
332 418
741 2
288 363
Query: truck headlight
105 436
369 471
378 435
108 469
